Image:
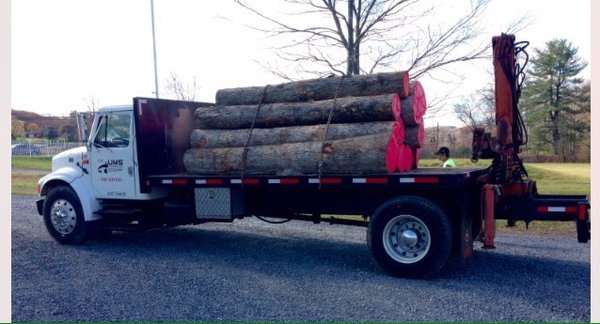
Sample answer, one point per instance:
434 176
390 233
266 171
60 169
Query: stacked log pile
332 125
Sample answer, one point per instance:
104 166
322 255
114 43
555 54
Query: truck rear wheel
63 216
410 237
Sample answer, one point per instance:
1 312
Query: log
347 110
408 113
392 154
319 89
397 109
414 135
398 131
419 95
405 158
411 112
213 138
364 154
414 107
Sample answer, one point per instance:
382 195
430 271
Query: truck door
111 158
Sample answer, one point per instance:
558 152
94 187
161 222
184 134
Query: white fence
40 147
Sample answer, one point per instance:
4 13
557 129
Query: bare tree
84 120
366 36
91 104
176 89
478 110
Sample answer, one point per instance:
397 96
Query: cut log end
405 160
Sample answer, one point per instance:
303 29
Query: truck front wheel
410 237
63 216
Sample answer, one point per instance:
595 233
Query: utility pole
154 49
437 135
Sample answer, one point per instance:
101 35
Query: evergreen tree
555 101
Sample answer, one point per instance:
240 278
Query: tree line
25 124
554 102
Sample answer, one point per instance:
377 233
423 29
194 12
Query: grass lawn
31 163
561 178
24 184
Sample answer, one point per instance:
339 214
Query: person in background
443 154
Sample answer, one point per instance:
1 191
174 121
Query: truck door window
113 131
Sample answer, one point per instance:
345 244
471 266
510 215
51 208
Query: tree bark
347 110
412 110
414 136
364 154
318 89
215 138
409 112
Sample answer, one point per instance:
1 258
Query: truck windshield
113 130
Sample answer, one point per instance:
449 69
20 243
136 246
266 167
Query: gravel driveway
253 271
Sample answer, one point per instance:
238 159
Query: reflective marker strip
551 209
252 181
325 180
581 212
142 103
419 180
295 181
175 181
370 180
427 180
284 181
571 209
209 181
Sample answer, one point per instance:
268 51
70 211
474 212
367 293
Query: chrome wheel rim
406 239
63 216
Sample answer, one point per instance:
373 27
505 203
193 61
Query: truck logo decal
111 166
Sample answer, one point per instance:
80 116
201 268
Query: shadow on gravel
501 268
258 252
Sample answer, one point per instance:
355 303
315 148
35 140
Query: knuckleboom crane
507 191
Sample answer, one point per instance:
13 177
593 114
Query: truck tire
410 236
63 216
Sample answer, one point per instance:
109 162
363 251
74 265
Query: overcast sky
66 50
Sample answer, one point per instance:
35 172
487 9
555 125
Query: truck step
115 212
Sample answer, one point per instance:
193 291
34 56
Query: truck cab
103 177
